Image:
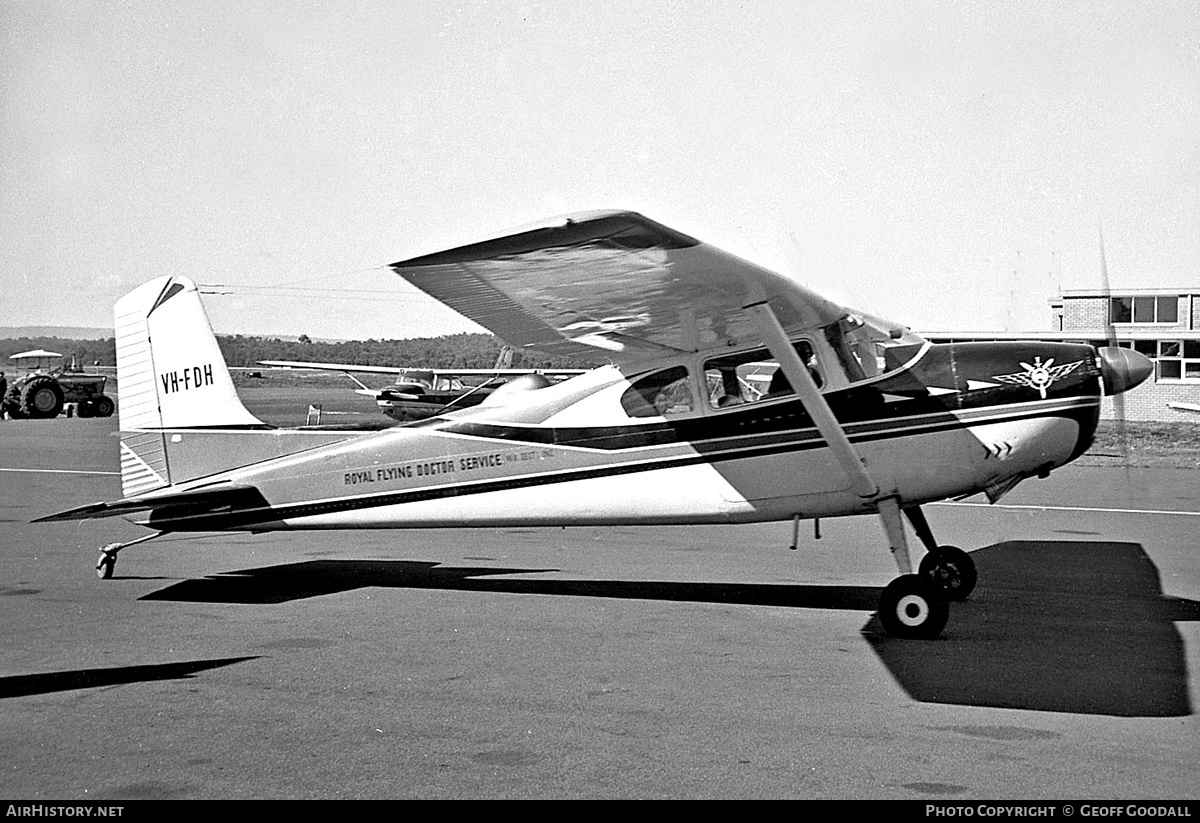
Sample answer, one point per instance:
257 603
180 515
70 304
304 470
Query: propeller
1122 368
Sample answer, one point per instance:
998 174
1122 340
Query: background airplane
420 393
860 416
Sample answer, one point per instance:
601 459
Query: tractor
45 387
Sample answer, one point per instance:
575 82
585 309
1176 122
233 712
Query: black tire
951 570
911 609
104 406
42 398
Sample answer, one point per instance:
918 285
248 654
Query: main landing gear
910 607
917 606
108 555
948 568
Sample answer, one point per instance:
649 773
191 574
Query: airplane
418 393
860 416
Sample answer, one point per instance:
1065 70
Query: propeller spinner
1122 368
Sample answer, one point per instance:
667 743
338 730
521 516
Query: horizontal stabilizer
196 501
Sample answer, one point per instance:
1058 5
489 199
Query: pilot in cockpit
779 382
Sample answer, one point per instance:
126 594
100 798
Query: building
1163 324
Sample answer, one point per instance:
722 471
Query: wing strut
827 424
802 383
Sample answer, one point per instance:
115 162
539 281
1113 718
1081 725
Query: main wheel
911 608
950 569
41 398
104 406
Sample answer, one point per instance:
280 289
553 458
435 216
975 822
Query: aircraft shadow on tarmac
1077 627
29 684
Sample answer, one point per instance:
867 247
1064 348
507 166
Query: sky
948 165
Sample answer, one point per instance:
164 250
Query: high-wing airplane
418 393
859 417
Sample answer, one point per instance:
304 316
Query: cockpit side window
753 376
663 393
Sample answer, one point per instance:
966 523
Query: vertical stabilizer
504 361
170 375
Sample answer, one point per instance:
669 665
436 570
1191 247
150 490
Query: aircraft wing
344 367
358 369
611 286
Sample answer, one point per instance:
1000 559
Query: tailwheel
951 570
108 555
105 566
911 608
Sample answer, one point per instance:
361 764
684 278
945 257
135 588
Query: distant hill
99 333
62 332
457 351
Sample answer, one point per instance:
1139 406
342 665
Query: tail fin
170 375
504 361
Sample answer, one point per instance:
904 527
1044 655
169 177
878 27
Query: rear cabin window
752 376
660 394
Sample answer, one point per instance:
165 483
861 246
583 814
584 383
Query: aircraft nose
1123 368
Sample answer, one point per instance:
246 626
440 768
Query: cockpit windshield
867 346
421 376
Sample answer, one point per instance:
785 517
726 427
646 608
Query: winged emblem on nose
1039 376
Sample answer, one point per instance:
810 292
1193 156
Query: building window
1144 309
1174 359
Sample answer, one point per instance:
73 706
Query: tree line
457 351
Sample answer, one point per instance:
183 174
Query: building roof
1068 294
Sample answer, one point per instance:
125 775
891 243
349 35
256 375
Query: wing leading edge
612 287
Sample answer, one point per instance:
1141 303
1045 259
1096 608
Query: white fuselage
569 454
